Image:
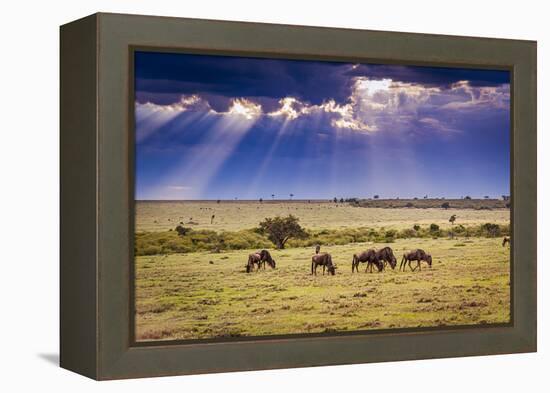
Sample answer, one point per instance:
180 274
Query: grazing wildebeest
417 255
505 240
369 256
265 256
324 260
254 258
259 258
386 255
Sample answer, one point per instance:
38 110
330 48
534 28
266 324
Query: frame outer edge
78 193
117 358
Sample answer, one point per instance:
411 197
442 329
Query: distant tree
335 200
486 197
505 197
409 204
261 200
218 201
182 231
425 197
272 196
468 197
416 227
434 227
376 197
280 229
341 200
445 205
291 195
415 198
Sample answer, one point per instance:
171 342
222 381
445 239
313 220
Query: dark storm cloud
161 77
442 77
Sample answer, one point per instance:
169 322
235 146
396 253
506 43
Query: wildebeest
417 255
505 240
265 256
259 258
324 259
386 255
369 256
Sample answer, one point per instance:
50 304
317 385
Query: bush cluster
170 242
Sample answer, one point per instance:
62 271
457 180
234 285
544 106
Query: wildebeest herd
374 258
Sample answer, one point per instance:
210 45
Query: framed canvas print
239 196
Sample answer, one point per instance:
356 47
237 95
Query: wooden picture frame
97 197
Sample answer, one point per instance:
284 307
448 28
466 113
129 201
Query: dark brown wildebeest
259 258
386 255
417 255
265 256
505 240
369 256
253 259
324 259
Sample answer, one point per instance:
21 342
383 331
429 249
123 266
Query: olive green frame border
96 176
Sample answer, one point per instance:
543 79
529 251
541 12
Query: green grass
207 295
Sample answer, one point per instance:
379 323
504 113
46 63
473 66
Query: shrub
434 227
490 230
182 231
407 233
151 250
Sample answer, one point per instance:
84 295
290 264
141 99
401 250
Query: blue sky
218 127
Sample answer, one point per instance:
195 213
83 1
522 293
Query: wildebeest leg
323 270
312 263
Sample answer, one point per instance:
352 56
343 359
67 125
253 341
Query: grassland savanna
193 285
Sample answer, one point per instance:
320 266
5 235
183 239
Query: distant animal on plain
324 259
417 255
369 256
505 240
317 249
